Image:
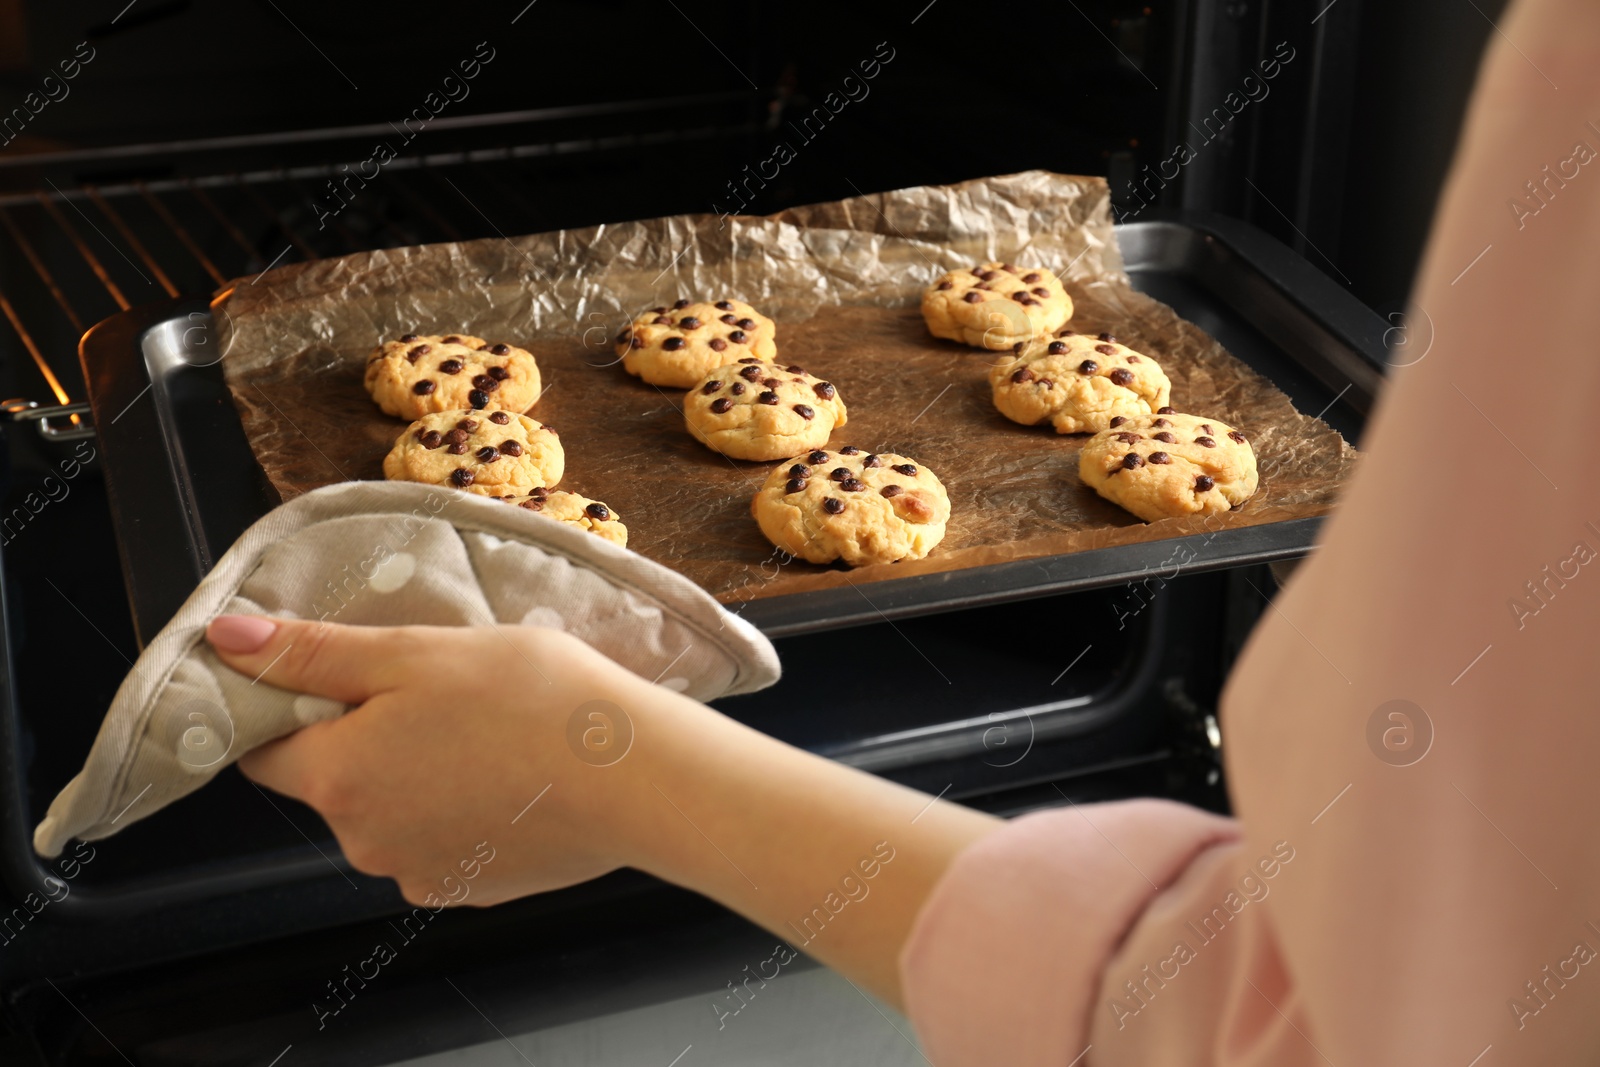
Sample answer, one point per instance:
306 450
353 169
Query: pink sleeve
1012 943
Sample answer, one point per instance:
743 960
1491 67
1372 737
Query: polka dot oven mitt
384 553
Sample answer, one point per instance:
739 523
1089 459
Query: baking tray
183 482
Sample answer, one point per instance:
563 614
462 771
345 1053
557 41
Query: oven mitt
384 553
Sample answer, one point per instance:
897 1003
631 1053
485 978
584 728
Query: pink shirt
1421 890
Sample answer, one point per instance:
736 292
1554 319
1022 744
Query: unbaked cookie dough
1078 383
680 345
493 453
1167 465
423 373
852 505
758 410
995 305
574 510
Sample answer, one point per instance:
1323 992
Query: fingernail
240 633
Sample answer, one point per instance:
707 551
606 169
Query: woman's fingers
348 663
290 764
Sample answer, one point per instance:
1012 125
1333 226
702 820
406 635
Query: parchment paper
843 280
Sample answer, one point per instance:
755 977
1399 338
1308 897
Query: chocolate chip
972 298
795 485
538 492
637 342
767 397
456 436
1235 435
511 448
771 383
747 324
1132 358
681 304
1205 427
661 320
1031 277
737 337
408 337
1160 457
451 366
487 454
1121 376
1041 292
597 510
1204 483
891 490
499 374
1057 347
532 505
500 349
1205 442
1020 294
729 319
484 382
623 336
1046 383
500 418
1065 332
453 339
849 450
1008 268
851 485
1017 348
418 352
1166 411
1128 438
689 323
799 470
467 424
825 390
1117 421
432 439
1029 302
839 474
750 359
737 389
1165 438
1107 337
672 344
1023 375
1161 422
1132 461
872 461
805 412
1106 349
459 448
833 505
717 344
424 387
1088 366
721 406
816 457
908 469
724 305
461 477
658 310
711 387
795 370
750 374
945 284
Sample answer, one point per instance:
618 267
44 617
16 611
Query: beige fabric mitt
384 553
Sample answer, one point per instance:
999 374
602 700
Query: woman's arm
437 759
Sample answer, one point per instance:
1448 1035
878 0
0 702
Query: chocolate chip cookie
1165 465
1078 382
995 305
423 373
758 410
852 505
574 510
680 345
495 453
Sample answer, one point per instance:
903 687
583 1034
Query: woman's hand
462 745
455 733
